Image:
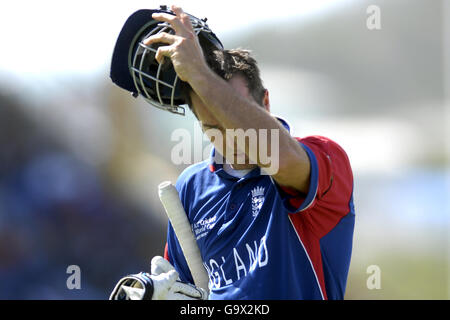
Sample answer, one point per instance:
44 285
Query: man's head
240 70
232 64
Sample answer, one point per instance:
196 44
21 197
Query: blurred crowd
56 211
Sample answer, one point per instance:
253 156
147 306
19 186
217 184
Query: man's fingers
160 265
162 284
176 9
177 24
163 52
186 289
163 37
172 276
183 16
179 296
180 22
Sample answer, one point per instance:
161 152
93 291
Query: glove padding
162 284
133 287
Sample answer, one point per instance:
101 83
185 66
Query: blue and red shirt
259 240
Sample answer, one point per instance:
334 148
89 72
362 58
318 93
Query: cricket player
278 229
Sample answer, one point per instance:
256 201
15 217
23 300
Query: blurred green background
80 159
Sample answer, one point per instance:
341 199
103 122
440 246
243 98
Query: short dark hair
228 63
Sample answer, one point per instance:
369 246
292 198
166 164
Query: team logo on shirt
202 227
257 200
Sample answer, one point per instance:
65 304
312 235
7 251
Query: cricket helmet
135 69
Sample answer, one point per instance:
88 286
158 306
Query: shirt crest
257 200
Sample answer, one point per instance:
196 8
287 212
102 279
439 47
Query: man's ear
266 101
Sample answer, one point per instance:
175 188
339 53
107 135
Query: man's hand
183 47
162 284
166 285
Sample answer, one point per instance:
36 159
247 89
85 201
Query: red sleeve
331 185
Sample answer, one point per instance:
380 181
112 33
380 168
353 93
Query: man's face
212 128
